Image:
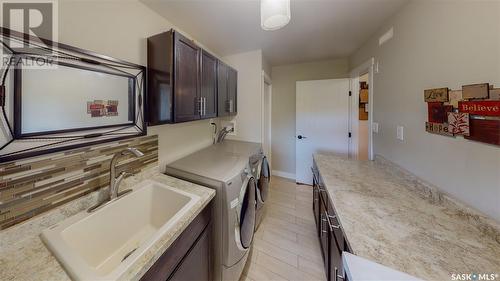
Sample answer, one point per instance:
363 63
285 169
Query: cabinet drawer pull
337 275
332 227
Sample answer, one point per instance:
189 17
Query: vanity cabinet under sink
185 82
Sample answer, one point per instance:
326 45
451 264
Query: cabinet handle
204 106
330 223
322 223
337 275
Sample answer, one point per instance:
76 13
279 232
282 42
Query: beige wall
283 105
119 28
249 118
437 44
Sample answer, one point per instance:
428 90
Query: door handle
301 137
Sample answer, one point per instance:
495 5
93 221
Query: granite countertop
23 256
395 219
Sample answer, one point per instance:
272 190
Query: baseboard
283 174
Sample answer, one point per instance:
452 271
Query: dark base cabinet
190 256
331 236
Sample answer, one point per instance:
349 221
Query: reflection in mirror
67 98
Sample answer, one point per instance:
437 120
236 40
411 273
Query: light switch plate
375 127
400 133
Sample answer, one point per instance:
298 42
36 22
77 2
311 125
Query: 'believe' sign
484 108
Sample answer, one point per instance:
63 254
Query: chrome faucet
223 132
114 182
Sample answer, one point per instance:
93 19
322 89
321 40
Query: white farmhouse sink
103 244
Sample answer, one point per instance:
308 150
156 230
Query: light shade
274 14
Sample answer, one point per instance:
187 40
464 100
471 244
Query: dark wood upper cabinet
185 82
187 102
208 85
227 89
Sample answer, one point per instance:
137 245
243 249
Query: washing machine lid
243 148
209 163
247 212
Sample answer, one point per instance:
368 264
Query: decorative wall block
438 128
454 97
438 113
436 95
487 131
458 123
494 94
476 91
483 108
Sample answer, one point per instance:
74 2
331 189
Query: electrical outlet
375 127
230 124
400 133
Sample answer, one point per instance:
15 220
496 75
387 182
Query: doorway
322 122
266 116
361 112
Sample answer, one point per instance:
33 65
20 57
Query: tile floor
286 246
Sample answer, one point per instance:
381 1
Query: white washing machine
234 214
259 166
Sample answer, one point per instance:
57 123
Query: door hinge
350 93
350 135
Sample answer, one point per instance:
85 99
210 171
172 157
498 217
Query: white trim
366 67
266 79
283 174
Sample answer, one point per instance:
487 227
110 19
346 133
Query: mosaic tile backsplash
32 186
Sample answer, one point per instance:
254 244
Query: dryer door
246 215
264 179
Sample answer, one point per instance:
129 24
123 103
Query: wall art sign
100 108
458 123
438 113
487 131
483 108
476 91
436 95
438 128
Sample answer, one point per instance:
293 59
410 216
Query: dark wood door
208 86
232 91
222 72
196 265
186 86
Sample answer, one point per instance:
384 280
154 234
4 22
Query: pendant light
274 14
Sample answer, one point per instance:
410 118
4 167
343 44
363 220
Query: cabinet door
208 86
186 86
324 233
232 92
222 72
334 259
316 203
196 264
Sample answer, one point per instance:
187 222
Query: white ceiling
319 29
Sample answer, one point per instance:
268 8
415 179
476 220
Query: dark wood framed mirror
55 97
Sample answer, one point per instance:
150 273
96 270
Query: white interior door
322 122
